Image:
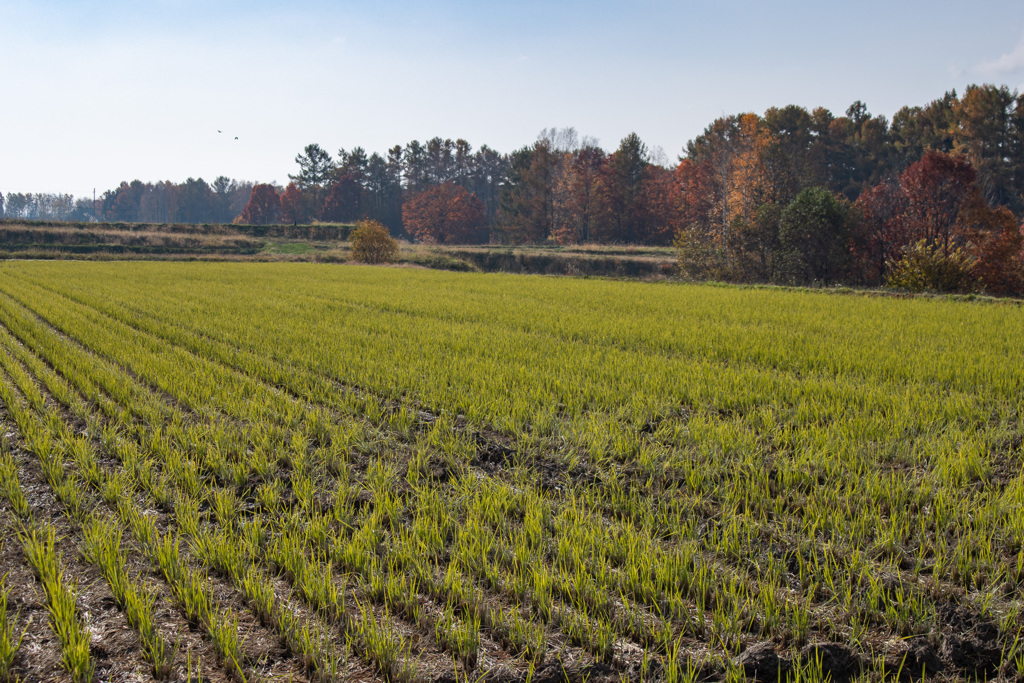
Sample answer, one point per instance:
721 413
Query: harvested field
258 471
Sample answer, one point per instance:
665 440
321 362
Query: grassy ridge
318 242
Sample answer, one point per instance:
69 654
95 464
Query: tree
393 191
996 244
315 170
915 130
414 167
371 243
462 169
936 187
735 155
795 154
381 199
999 264
578 207
126 202
984 135
440 160
526 199
625 173
882 232
342 202
752 229
160 203
751 180
353 163
293 207
264 206
195 201
221 187
713 151
660 208
698 239
489 169
814 235
446 214
18 205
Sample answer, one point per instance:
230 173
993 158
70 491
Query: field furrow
337 474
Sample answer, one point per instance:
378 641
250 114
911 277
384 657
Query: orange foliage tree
578 209
293 209
698 235
445 214
263 208
750 181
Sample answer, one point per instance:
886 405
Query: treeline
441 191
193 201
931 200
43 206
795 196
561 188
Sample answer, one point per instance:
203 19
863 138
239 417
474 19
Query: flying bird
236 137
220 131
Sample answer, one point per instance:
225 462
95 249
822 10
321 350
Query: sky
93 93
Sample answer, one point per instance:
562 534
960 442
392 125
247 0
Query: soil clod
761 662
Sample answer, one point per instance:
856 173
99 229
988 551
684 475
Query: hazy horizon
103 92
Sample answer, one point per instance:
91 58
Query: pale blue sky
97 92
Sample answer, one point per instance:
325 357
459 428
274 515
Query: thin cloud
1010 62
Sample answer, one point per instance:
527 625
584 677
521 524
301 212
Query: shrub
927 267
371 243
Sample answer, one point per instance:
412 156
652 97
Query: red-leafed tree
881 234
446 214
293 208
263 208
997 245
660 206
936 187
342 201
695 193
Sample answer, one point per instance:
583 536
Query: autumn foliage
264 206
932 228
792 195
445 214
997 244
293 208
936 187
371 243
882 234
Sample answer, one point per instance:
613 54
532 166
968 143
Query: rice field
307 472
